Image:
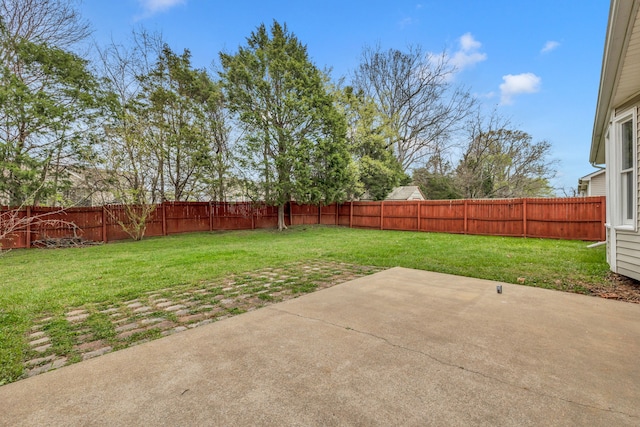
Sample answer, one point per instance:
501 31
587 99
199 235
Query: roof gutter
620 24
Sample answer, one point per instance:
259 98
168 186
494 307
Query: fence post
524 217
337 213
290 213
28 236
351 214
466 217
419 203
382 215
253 222
164 219
210 215
104 224
319 213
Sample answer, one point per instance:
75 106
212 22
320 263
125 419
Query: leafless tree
52 22
499 161
14 221
415 93
131 218
127 161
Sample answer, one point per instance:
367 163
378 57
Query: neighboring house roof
592 175
620 77
408 192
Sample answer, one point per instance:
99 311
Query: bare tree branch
502 162
14 221
52 22
414 91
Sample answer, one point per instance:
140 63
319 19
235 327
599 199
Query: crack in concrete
453 365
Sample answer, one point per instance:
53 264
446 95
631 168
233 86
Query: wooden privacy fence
566 218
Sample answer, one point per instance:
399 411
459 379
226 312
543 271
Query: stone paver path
96 329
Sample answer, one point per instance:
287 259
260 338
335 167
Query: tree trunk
221 196
281 224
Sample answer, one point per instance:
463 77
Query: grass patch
37 282
62 336
148 335
303 288
101 326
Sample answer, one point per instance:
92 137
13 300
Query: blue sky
537 62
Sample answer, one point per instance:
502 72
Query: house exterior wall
416 195
594 184
598 185
618 102
628 254
626 242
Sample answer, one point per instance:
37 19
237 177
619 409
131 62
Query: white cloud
467 42
487 95
406 22
468 55
549 46
154 6
517 84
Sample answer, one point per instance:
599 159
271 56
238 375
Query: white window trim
618 218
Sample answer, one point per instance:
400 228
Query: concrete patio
400 347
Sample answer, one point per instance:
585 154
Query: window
625 147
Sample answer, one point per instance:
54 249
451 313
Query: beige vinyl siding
628 254
628 273
598 185
627 242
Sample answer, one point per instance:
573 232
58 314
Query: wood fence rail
560 218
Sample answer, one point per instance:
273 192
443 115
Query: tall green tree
48 100
216 129
378 170
436 186
175 100
167 135
295 139
437 179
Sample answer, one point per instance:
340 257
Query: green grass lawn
36 283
